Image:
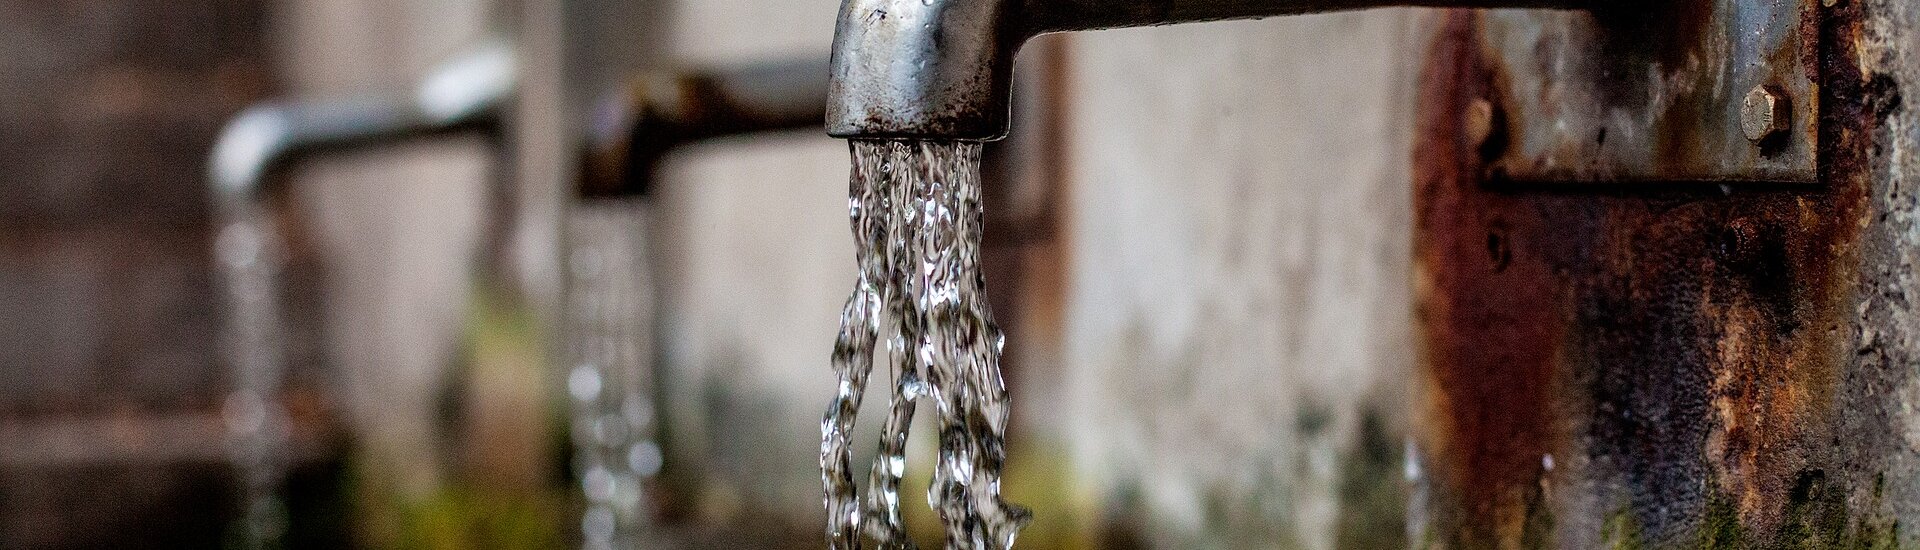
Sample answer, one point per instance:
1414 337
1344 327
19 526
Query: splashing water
915 207
249 254
609 298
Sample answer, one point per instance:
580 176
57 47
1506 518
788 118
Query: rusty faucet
638 124
942 69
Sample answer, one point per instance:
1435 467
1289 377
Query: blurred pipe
613 299
467 94
638 125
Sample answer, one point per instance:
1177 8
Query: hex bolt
1479 122
1764 114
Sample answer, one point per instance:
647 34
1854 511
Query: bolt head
1764 114
1478 121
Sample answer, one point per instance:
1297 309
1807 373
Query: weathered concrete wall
394 231
1237 335
757 261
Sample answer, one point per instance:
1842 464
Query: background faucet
612 295
628 137
637 125
468 93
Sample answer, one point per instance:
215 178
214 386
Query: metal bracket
1655 91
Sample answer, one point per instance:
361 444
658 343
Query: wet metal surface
1654 91
943 69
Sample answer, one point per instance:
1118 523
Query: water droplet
610 430
584 382
597 484
598 524
644 458
1410 462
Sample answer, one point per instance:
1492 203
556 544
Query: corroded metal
1764 115
640 123
1625 90
1655 91
1704 366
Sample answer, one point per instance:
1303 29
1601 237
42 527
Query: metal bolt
1764 114
1479 122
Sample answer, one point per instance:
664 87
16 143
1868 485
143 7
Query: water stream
609 304
249 253
915 209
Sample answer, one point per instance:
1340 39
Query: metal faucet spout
657 112
942 69
466 93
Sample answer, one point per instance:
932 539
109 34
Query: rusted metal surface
636 126
1675 366
1655 91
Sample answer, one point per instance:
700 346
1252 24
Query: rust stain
1685 338
1485 305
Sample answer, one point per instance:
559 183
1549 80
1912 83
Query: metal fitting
1764 114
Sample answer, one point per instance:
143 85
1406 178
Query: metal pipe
661 111
942 69
466 94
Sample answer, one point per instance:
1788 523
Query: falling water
249 253
915 208
608 303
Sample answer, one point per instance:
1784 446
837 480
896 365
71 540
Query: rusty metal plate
1655 91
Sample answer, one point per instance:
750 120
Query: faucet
628 135
468 93
943 69
638 124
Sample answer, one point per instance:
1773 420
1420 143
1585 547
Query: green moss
1622 531
1373 499
1037 476
1816 516
504 348
467 518
1720 523
1537 532
458 516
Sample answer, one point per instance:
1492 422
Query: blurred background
1197 242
